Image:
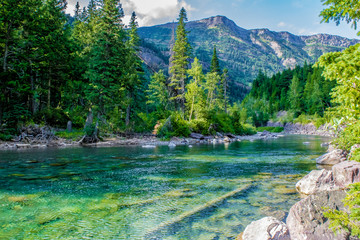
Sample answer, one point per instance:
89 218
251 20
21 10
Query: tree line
302 90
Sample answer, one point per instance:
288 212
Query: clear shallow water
128 192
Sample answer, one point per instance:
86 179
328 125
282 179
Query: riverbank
145 141
320 190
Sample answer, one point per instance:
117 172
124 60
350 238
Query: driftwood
35 134
168 226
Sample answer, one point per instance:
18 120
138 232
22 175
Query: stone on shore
332 158
197 136
316 181
306 219
346 173
265 229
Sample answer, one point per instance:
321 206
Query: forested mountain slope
243 52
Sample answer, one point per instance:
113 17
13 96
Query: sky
300 17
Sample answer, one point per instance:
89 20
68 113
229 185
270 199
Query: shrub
270 129
349 222
5 137
348 137
174 125
199 126
249 129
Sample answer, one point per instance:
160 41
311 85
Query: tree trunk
6 53
49 91
192 108
128 112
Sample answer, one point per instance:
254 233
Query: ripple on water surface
203 192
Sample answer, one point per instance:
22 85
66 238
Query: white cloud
148 12
281 24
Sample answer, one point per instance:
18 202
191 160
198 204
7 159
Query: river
151 193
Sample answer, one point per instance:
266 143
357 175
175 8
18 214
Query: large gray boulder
316 181
346 173
265 229
332 158
197 136
306 219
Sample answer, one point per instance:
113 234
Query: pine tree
180 62
295 94
106 63
133 67
157 94
215 65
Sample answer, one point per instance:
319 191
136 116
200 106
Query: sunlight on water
204 192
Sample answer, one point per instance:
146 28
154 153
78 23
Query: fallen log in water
173 223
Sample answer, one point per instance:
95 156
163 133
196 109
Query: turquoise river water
199 192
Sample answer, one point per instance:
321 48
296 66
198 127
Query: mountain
244 52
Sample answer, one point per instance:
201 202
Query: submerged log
171 224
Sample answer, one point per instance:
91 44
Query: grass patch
74 135
270 129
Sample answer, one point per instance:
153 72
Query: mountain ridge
244 52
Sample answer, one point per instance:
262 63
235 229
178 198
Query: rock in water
265 229
69 126
332 157
306 219
171 144
346 173
316 181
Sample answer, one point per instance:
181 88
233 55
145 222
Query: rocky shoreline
145 141
300 129
319 189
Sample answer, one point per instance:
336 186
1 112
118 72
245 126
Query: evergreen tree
180 62
215 65
157 93
133 68
295 94
106 63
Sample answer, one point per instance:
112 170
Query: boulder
346 173
171 144
226 139
316 181
265 229
197 136
332 158
306 219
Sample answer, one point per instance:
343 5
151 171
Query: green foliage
199 126
341 10
270 129
55 117
222 122
340 220
301 91
147 121
179 62
355 155
248 129
175 125
75 135
348 136
6 137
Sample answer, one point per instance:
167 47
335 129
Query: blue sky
299 17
